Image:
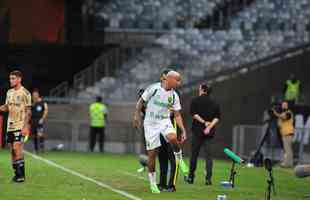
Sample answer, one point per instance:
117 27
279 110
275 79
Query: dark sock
14 165
20 169
36 145
163 179
23 169
41 144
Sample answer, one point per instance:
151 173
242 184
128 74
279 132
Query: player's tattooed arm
41 121
137 114
4 108
27 117
179 121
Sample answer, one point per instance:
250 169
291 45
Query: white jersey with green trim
160 103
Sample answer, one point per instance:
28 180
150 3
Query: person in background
18 106
286 126
98 114
292 90
39 111
206 115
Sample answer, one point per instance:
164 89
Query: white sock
178 155
152 177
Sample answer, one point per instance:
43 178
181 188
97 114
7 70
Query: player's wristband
26 138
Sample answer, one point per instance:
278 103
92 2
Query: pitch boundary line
133 175
51 163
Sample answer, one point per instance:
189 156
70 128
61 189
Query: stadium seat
265 28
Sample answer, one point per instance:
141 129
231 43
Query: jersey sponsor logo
161 104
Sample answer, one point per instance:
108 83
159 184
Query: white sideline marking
134 175
126 194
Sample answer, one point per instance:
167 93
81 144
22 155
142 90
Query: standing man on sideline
292 89
18 106
206 115
159 104
39 114
98 115
286 126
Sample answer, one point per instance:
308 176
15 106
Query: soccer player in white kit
160 100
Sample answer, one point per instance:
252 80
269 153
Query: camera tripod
270 130
232 174
270 180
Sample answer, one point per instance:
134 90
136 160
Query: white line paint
126 194
134 175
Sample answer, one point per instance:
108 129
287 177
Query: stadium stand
263 29
159 14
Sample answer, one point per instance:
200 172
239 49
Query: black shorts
14 136
36 128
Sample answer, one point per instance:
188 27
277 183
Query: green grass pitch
46 182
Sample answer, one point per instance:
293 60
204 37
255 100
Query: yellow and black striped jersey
17 102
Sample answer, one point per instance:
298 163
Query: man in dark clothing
39 114
165 154
206 115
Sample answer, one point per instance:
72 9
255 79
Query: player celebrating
18 105
160 101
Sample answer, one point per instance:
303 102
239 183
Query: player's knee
174 141
17 145
152 154
13 154
17 148
172 137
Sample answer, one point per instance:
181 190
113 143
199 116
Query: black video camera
274 107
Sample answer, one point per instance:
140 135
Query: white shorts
152 131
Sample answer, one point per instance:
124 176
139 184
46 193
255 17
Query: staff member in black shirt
39 114
206 115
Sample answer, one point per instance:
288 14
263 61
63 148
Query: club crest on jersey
18 99
170 100
39 108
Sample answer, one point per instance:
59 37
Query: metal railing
106 65
60 90
73 135
102 66
67 100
